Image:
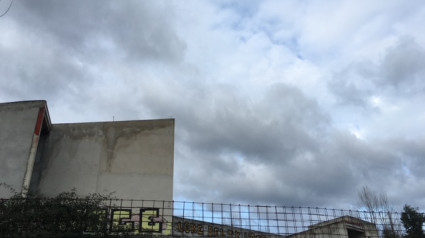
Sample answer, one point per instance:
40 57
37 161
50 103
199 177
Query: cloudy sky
276 102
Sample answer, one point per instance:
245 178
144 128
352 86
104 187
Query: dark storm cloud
412 154
62 48
307 179
272 128
280 150
274 150
408 180
137 29
252 151
332 175
403 68
399 73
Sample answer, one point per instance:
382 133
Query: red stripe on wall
40 118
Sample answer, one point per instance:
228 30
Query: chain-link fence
175 218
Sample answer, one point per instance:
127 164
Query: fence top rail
192 204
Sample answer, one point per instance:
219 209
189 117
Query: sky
294 103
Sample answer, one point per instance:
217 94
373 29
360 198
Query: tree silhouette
413 221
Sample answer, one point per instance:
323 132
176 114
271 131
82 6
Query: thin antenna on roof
113 118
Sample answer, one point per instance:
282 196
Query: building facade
341 227
131 159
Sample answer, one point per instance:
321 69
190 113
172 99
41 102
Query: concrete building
341 227
183 227
133 159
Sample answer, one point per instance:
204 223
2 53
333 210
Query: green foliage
66 215
413 222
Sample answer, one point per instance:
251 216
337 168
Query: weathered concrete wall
17 124
133 159
346 226
194 228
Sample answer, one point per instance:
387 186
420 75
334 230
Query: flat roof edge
28 102
118 122
21 105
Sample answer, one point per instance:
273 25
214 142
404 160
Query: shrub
66 215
